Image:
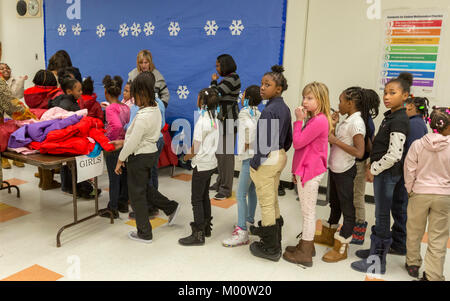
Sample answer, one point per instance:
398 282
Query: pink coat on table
311 148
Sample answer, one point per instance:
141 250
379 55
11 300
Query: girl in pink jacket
309 164
427 180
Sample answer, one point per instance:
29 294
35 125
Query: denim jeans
118 184
246 211
154 171
399 214
384 185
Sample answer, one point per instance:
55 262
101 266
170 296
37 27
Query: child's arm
394 154
410 167
303 137
356 151
195 147
138 129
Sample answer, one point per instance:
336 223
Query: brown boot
327 235
301 255
6 164
18 164
47 180
292 249
339 251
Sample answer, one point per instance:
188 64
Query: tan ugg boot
327 235
301 255
339 251
6 164
47 180
18 164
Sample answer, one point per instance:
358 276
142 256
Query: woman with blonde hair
144 63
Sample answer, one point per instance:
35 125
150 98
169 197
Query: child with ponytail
385 171
117 115
427 180
274 139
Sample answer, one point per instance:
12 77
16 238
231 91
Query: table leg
74 190
9 186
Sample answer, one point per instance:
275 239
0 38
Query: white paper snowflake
211 28
123 31
174 28
101 30
236 27
135 29
182 92
62 30
149 28
76 29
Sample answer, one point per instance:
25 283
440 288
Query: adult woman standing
144 63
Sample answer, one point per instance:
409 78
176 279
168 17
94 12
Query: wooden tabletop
39 160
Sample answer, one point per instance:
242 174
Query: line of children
248 119
309 164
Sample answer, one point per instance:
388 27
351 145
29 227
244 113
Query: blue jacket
417 129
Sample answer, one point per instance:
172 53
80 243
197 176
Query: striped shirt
228 89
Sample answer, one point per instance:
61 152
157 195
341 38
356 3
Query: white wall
331 41
22 39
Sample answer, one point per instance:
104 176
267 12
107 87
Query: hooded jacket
37 97
90 103
427 165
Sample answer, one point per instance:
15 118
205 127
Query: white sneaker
134 236
238 238
248 226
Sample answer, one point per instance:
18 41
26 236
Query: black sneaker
214 187
220 197
105 213
281 191
123 209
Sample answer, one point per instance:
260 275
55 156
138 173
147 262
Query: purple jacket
38 131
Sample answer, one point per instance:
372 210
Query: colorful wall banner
413 43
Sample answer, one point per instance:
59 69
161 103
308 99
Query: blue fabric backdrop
109 34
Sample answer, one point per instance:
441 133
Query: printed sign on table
413 44
88 168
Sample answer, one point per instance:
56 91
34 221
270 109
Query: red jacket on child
37 97
90 103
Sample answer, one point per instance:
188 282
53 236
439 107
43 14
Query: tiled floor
98 250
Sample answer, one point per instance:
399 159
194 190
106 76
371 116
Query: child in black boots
204 161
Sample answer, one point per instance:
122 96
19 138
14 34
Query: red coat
74 139
90 103
37 97
167 156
